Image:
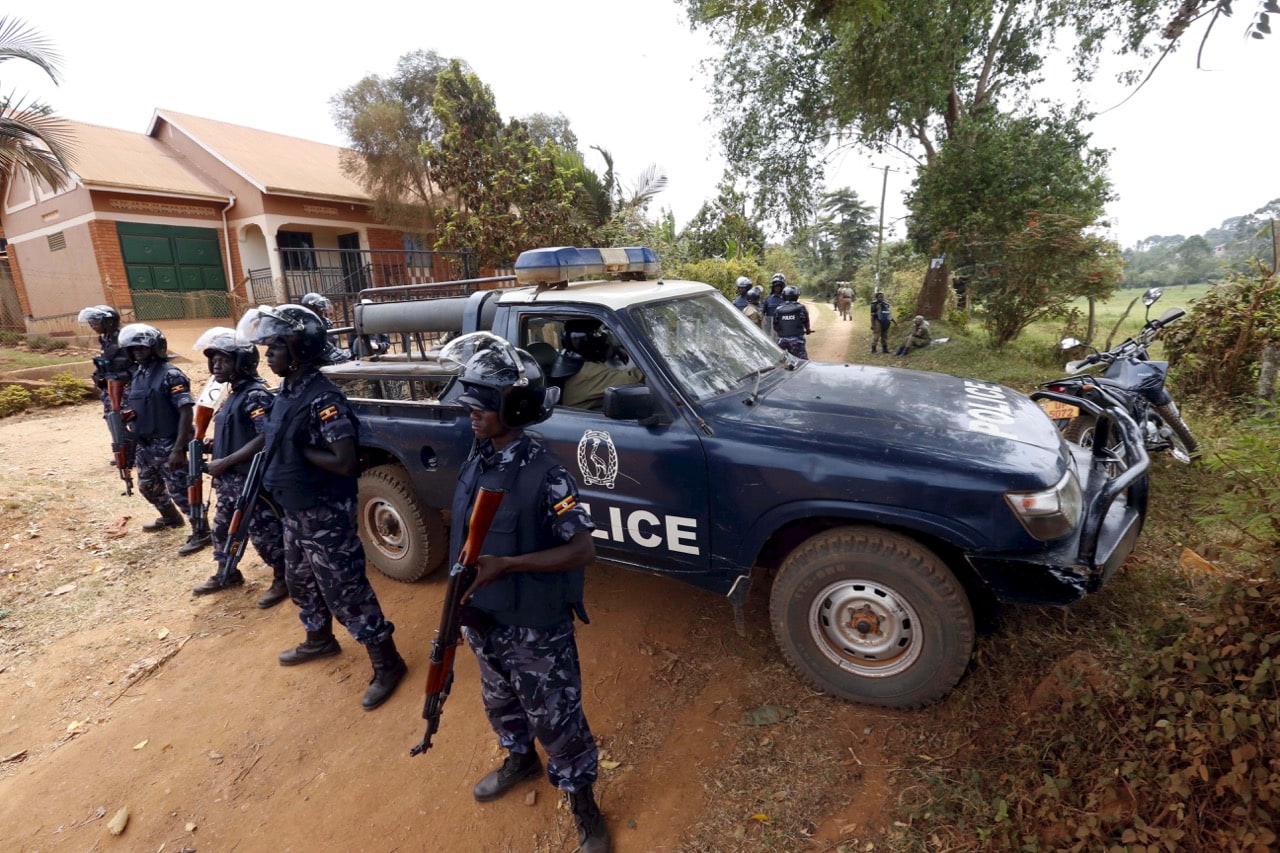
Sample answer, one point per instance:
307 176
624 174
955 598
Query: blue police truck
879 503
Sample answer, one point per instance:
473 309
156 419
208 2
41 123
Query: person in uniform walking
239 432
113 361
529 581
844 301
753 312
311 475
881 320
159 396
740 301
919 336
772 301
791 323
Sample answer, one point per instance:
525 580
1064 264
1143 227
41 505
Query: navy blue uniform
530 678
768 307
155 394
241 417
790 323
324 559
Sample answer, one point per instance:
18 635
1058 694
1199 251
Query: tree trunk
1093 320
1268 367
933 293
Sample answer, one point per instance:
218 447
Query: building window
297 250
417 251
57 242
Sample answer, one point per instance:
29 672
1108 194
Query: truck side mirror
631 403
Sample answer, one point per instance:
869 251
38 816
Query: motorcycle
1130 379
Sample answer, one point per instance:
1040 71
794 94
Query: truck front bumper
1114 512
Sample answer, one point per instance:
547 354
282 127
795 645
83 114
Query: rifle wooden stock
119 435
445 643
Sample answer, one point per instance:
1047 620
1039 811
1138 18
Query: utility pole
884 186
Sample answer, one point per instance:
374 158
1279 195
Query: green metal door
173 271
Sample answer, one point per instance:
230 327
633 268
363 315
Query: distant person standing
753 312
791 322
772 301
881 320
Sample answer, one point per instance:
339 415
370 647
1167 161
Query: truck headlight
1052 513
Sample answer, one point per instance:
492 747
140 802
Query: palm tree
32 138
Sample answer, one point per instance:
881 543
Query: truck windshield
709 345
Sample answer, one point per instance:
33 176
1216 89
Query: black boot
319 644
388 669
593 835
170 516
199 539
276 593
214 584
518 767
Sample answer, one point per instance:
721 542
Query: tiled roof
109 158
274 162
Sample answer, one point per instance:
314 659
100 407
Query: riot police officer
743 285
159 395
791 322
772 301
239 433
312 473
753 307
529 581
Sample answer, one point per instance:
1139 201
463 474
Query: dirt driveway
120 690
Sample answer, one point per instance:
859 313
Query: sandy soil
121 691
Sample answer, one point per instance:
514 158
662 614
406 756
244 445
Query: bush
10 338
43 343
1248 501
14 399
723 274
66 389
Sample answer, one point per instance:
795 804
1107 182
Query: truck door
645 486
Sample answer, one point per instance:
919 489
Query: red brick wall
106 248
387 247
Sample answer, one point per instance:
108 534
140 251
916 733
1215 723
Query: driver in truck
587 365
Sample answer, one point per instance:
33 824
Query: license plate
1059 411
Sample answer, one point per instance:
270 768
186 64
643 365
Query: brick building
198 218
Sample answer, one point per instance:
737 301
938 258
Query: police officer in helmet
791 322
311 441
529 580
772 301
743 285
588 364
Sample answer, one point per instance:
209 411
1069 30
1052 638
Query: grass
19 359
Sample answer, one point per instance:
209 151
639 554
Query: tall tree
387 119
799 76
1011 202
723 227
32 138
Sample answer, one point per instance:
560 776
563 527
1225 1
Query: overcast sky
1192 149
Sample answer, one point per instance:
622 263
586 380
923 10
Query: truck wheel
871 616
401 539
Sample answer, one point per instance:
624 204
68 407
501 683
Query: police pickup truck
880 503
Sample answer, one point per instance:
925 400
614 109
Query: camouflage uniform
324 559
251 398
530 679
156 482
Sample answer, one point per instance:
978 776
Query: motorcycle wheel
1082 429
1182 437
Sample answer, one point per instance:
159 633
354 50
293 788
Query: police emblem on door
597 459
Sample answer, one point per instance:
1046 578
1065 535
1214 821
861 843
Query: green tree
32 138
723 227
504 192
387 119
1011 201
840 241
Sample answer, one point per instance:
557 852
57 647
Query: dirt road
120 690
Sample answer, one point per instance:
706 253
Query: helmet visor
264 324
220 339
458 352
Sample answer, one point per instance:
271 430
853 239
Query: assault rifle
121 443
461 576
238 528
198 510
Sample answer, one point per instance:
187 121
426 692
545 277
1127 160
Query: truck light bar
555 266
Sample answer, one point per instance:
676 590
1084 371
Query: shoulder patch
328 413
565 505
257 413
177 389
